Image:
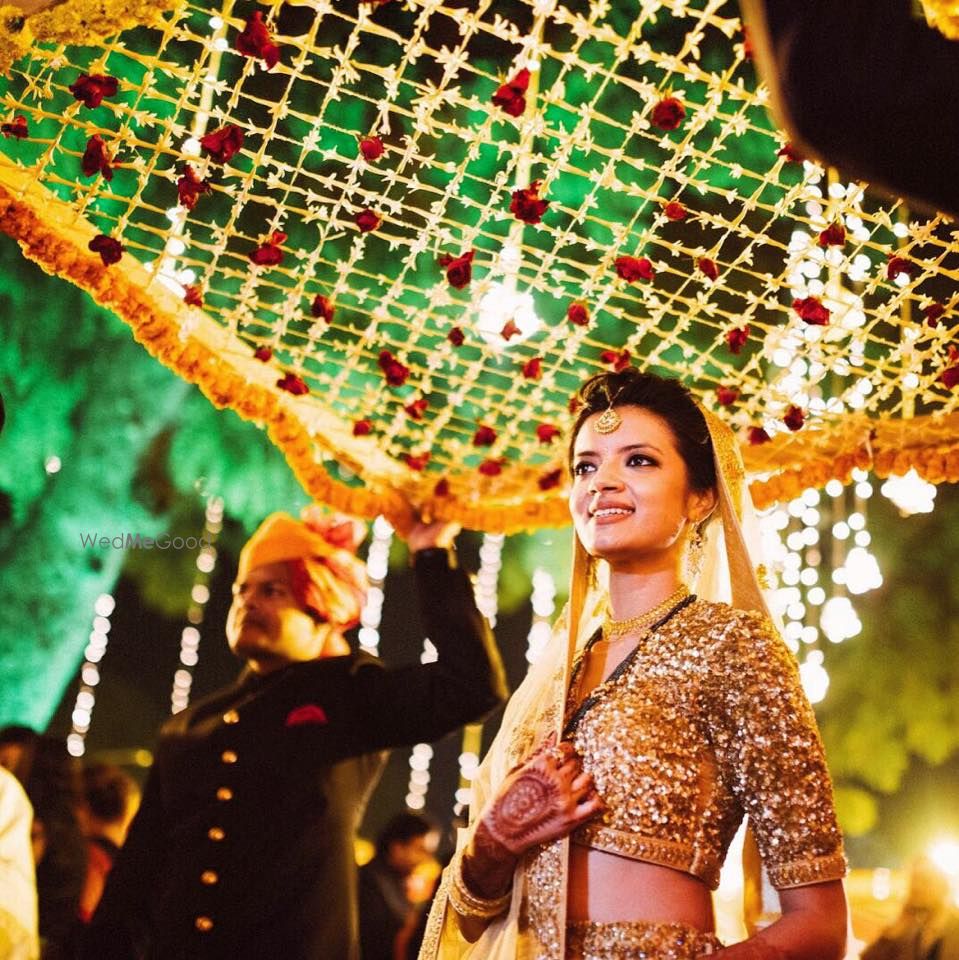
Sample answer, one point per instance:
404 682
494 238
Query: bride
657 719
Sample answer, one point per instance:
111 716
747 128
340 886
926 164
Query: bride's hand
547 797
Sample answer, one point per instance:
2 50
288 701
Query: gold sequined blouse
709 724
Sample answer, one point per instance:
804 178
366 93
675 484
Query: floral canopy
400 233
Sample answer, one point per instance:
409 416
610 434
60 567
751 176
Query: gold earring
694 554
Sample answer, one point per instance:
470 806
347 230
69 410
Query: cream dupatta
534 927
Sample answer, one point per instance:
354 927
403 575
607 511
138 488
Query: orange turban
326 575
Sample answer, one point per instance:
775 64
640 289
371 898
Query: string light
419 781
491 560
500 304
421 753
487 602
90 675
199 595
813 675
377 566
543 601
910 493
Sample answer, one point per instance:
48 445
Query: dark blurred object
867 87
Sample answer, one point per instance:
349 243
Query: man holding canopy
243 846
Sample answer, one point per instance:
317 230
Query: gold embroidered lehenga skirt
637 940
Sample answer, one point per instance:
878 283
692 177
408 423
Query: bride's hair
665 398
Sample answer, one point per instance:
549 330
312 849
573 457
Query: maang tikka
609 420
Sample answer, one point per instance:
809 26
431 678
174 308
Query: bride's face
630 498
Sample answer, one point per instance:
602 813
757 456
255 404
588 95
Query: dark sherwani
243 846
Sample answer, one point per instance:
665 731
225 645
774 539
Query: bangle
467 904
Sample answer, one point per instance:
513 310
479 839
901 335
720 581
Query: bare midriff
607 888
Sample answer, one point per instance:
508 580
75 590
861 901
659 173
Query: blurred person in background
111 798
927 927
51 779
18 888
390 908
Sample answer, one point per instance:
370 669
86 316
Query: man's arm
427 701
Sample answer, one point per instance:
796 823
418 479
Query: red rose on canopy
193 296
511 95
758 436
533 368
459 270
90 89
812 311
263 354
190 187
417 461
442 488
619 360
897 265
484 437
795 417
291 383
527 204
509 330
372 148
632 269
491 467
362 428
933 314
833 236
674 210
95 159
578 313
321 308
549 480
747 44
255 41
950 377
547 433
668 114
791 154
223 144
269 254
417 408
727 396
110 250
16 128
708 267
456 337
367 220
394 371
574 404
736 338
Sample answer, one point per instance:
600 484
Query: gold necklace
616 629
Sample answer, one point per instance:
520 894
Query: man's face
406 855
266 625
